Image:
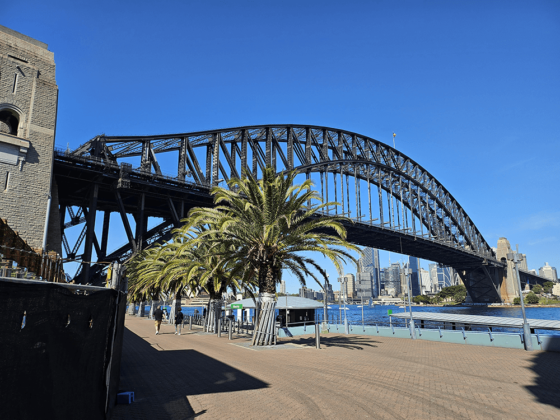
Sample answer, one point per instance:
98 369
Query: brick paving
199 375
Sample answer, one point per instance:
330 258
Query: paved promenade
198 375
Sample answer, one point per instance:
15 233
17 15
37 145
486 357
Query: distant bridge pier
483 283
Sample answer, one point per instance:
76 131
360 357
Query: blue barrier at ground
477 338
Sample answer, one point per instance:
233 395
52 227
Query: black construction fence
60 350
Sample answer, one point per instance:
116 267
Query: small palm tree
200 265
268 223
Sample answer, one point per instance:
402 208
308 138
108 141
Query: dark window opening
9 122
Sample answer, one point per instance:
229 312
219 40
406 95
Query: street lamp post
325 299
343 281
527 340
407 273
345 299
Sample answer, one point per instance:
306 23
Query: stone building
548 272
28 106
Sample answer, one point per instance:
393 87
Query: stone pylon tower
508 289
28 106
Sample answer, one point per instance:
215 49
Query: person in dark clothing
178 321
158 317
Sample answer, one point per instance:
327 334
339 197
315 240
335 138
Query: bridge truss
395 204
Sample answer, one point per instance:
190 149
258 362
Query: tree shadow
546 364
162 380
351 342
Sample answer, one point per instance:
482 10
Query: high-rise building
548 272
283 287
443 277
330 293
393 279
350 285
426 282
382 291
369 263
365 287
413 264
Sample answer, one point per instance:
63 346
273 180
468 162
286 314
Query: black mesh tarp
55 366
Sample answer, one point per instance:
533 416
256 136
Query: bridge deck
492 321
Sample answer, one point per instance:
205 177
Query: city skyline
437 74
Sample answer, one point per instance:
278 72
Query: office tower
426 282
442 276
382 282
330 293
393 279
283 287
302 291
365 287
350 285
413 264
369 263
548 272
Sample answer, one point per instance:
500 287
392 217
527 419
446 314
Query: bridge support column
105 234
140 225
90 232
483 283
509 282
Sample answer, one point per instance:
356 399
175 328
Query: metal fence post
317 336
190 322
230 329
219 327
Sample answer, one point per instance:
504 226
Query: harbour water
378 314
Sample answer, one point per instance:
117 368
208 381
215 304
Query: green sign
389 311
236 306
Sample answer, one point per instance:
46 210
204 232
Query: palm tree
200 265
185 264
268 223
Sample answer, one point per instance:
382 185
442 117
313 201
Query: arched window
9 122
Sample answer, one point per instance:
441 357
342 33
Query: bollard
317 336
230 329
219 327
190 322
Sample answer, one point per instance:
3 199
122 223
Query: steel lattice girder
453 239
317 149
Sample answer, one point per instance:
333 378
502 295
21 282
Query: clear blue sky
471 88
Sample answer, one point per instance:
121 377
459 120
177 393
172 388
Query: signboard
236 306
389 311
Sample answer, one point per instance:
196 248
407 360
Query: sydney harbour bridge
394 203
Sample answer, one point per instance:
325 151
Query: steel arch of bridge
404 201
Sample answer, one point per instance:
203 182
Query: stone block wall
28 92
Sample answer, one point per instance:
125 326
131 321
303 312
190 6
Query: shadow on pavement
162 380
547 387
350 342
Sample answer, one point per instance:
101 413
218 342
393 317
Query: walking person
178 321
158 316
